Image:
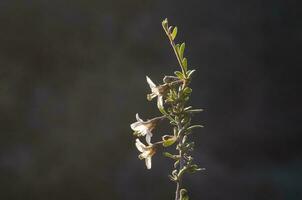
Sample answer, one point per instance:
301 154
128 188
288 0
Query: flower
146 152
158 91
144 128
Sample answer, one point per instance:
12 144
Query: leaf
179 74
187 108
174 33
172 178
168 155
177 48
169 79
187 90
190 72
181 50
185 64
162 110
194 110
184 194
184 139
173 123
168 140
165 24
176 163
194 168
194 126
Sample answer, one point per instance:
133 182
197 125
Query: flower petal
145 154
160 101
140 146
155 91
138 118
139 127
134 125
142 129
148 162
148 137
150 82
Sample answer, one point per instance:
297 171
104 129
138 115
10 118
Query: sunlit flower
146 152
158 91
144 128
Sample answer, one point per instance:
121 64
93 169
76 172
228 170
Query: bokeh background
72 78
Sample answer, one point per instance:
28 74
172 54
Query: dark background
72 77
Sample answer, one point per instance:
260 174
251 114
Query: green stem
177 192
181 161
176 53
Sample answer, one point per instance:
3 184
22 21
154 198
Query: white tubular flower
146 152
158 91
144 128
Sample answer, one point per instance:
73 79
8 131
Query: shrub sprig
172 99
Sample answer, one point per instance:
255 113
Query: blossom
144 128
158 91
146 152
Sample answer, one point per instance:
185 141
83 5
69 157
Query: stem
179 125
179 181
181 162
177 192
177 56
176 52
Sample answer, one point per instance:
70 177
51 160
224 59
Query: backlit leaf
174 33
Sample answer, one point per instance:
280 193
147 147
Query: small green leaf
172 178
194 126
190 72
187 90
173 123
184 194
181 50
177 48
185 64
185 120
168 140
187 108
176 163
174 33
184 139
165 24
182 171
194 110
162 110
179 74
168 155
169 79
194 168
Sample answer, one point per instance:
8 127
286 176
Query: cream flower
158 91
144 128
146 152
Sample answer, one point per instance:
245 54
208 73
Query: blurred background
72 78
